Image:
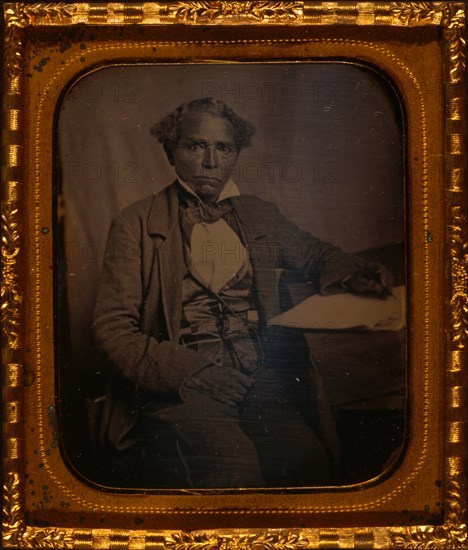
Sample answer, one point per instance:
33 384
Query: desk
364 377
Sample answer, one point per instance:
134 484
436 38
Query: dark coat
138 308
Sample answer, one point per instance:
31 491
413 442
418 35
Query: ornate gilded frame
22 250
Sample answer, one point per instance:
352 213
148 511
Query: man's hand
224 384
374 279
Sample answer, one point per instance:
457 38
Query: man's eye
195 147
223 148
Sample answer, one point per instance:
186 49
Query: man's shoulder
253 201
142 207
257 208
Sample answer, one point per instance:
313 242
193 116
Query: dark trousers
267 440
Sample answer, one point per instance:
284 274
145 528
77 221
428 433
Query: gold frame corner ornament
455 21
450 15
20 15
15 532
453 533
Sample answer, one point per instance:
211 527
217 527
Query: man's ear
169 153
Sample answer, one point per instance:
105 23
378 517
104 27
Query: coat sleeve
322 263
150 364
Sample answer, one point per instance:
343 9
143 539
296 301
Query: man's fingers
227 396
226 399
235 377
237 388
374 287
237 397
226 385
202 386
380 274
386 278
244 379
359 282
222 395
363 283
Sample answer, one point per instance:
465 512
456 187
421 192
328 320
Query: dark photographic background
328 151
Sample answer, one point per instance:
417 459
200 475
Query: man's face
205 154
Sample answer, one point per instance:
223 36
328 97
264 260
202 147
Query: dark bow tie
207 212
197 211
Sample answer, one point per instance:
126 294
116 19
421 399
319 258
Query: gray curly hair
167 130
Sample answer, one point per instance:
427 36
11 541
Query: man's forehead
204 122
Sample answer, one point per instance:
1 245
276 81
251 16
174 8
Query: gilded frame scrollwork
449 17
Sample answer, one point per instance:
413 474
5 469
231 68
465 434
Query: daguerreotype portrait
234 270
236 395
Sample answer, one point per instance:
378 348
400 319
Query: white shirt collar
228 191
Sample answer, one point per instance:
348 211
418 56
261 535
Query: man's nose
210 158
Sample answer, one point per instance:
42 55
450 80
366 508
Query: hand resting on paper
374 279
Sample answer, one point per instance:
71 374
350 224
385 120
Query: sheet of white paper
346 311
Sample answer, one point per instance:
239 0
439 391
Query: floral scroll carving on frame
459 300
451 17
17 17
10 295
14 530
192 11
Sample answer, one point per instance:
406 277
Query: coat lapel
164 228
248 217
263 257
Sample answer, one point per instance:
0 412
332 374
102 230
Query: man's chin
209 191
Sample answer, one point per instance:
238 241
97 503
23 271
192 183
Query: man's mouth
208 180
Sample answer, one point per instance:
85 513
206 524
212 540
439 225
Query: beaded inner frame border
450 18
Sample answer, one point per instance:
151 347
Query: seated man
183 270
